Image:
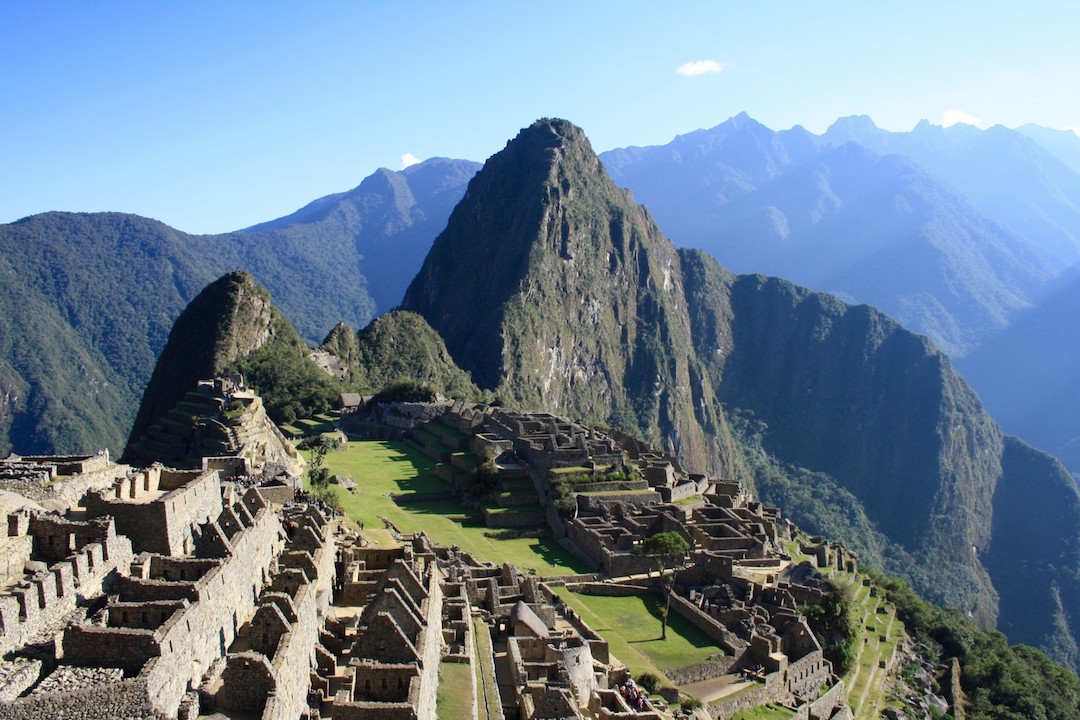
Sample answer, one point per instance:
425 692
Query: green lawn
764 712
381 468
488 705
632 630
321 423
865 680
454 700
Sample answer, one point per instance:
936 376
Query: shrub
650 682
405 391
689 702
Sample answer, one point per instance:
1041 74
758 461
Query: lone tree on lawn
668 549
319 446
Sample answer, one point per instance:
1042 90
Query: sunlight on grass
632 629
455 694
765 712
385 468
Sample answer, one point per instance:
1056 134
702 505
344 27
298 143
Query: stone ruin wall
276 684
431 650
167 524
707 624
422 682
127 699
183 648
94 554
15 550
210 625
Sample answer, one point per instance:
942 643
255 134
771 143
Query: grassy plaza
632 627
383 469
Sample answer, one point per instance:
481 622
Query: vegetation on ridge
1000 682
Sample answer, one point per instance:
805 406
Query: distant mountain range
957 232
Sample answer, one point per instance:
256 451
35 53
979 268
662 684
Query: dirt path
716 688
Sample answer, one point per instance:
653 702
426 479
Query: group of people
637 698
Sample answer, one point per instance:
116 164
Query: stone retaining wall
708 625
127 700
609 589
755 695
700 671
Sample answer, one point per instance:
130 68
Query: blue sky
216 116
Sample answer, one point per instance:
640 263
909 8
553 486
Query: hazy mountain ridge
923 252
965 235
391 217
1011 177
1028 375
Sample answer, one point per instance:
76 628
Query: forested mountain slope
555 290
93 296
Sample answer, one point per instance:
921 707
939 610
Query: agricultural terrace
880 633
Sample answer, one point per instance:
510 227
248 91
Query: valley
769 426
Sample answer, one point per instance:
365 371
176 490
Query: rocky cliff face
554 289
228 320
847 392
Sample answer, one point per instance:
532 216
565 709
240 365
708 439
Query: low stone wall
570 579
591 503
431 648
682 491
615 486
752 697
825 706
126 700
609 589
701 671
512 519
708 625
410 498
73 489
16 676
374 711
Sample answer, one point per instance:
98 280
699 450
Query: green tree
318 446
668 549
836 626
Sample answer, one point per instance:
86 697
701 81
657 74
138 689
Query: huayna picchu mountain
555 290
559 293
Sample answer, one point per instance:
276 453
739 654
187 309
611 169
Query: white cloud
1076 132
953 116
700 67
409 159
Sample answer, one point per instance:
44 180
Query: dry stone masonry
219 591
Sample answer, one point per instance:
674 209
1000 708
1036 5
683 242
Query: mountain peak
230 318
508 212
853 126
553 288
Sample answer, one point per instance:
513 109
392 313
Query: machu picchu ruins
221 588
